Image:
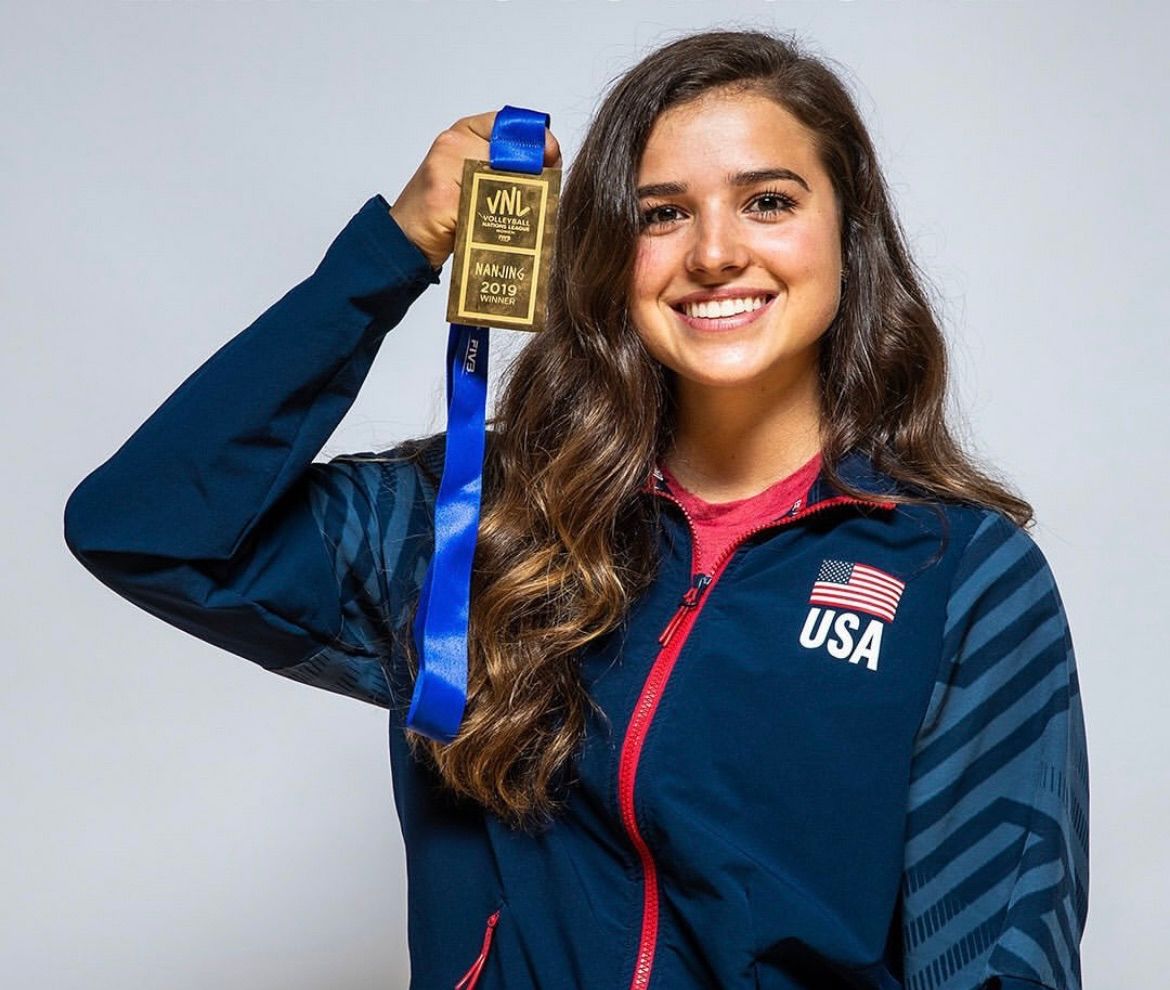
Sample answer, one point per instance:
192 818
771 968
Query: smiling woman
737 277
768 686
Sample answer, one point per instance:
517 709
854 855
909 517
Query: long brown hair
566 542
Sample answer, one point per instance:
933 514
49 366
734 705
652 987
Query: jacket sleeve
213 517
995 888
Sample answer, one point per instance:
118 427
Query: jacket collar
856 467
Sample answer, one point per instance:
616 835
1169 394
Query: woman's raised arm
213 516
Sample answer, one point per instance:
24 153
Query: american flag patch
857 587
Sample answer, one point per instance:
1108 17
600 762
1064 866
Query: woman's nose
717 245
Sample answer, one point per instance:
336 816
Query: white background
176 817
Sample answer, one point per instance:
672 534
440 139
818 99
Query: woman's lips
715 324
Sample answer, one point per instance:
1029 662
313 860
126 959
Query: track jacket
851 754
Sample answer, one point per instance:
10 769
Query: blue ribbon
440 624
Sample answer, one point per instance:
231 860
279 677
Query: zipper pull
471 977
689 600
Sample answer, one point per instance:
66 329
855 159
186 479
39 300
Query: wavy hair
566 541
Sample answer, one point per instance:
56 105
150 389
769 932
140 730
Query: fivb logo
470 354
507 201
841 591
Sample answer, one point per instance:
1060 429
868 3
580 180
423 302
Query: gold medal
503 246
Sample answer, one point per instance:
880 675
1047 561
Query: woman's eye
653 216
780 202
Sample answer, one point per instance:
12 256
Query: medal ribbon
440 624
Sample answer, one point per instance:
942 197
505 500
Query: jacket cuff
392 245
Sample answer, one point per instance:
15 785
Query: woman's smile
724 313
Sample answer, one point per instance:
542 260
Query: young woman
769 687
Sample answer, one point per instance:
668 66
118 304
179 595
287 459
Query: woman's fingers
428 205
480 125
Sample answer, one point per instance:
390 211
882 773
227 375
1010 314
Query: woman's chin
718 378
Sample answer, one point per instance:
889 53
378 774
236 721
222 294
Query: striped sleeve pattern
344 497
376 522
995 887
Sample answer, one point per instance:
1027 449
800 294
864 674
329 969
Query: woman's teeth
722 307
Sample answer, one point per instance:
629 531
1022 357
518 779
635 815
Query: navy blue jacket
791 791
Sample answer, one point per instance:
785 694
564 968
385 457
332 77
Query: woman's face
743 214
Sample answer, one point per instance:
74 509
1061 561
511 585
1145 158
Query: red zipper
471 977
672 638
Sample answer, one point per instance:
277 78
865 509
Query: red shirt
719 524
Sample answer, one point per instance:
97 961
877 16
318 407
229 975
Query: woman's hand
426 208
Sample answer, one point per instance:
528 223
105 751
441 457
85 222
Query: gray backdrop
177 817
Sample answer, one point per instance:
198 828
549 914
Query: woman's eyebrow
748 178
